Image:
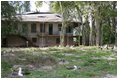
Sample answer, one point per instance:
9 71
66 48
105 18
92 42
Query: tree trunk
80 17
87 32
62 28
98 28
114 25
83 35
93 36
100 34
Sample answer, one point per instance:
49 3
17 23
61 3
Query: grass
5 68
37 57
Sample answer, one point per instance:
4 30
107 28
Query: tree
26 6
62 8
7 13
62 28
9 10
38 4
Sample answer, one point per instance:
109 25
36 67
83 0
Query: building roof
41 17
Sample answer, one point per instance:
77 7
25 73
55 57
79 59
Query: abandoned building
40 29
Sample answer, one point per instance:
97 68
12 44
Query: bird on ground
112 48
72 46
115 47
21 73
72 68
62 60
106 46
100 47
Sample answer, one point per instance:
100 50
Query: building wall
55 28
48 40
14 40
51 41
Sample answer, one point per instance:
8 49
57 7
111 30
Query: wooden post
27 43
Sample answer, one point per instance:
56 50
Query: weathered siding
48 40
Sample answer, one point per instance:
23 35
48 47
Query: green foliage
9 20
26 6
38 3
108 35
7 10
56 7
101 11
6 67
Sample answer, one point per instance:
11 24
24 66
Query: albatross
100 47
21 73
72 68
106 47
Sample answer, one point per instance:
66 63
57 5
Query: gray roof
41 17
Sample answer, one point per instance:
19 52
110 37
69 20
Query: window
57 40
24 28
42 28
34 40
59 27
50 29
68 30
33 28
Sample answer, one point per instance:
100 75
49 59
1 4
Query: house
43 29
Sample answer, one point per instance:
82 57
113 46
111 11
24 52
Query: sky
44 8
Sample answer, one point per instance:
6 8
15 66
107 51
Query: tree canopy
101 14
9 10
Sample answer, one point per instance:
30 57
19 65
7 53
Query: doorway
50 29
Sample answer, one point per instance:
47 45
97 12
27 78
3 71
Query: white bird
106 46
71 46
75 67
72 68
100 47
20 72
115 47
